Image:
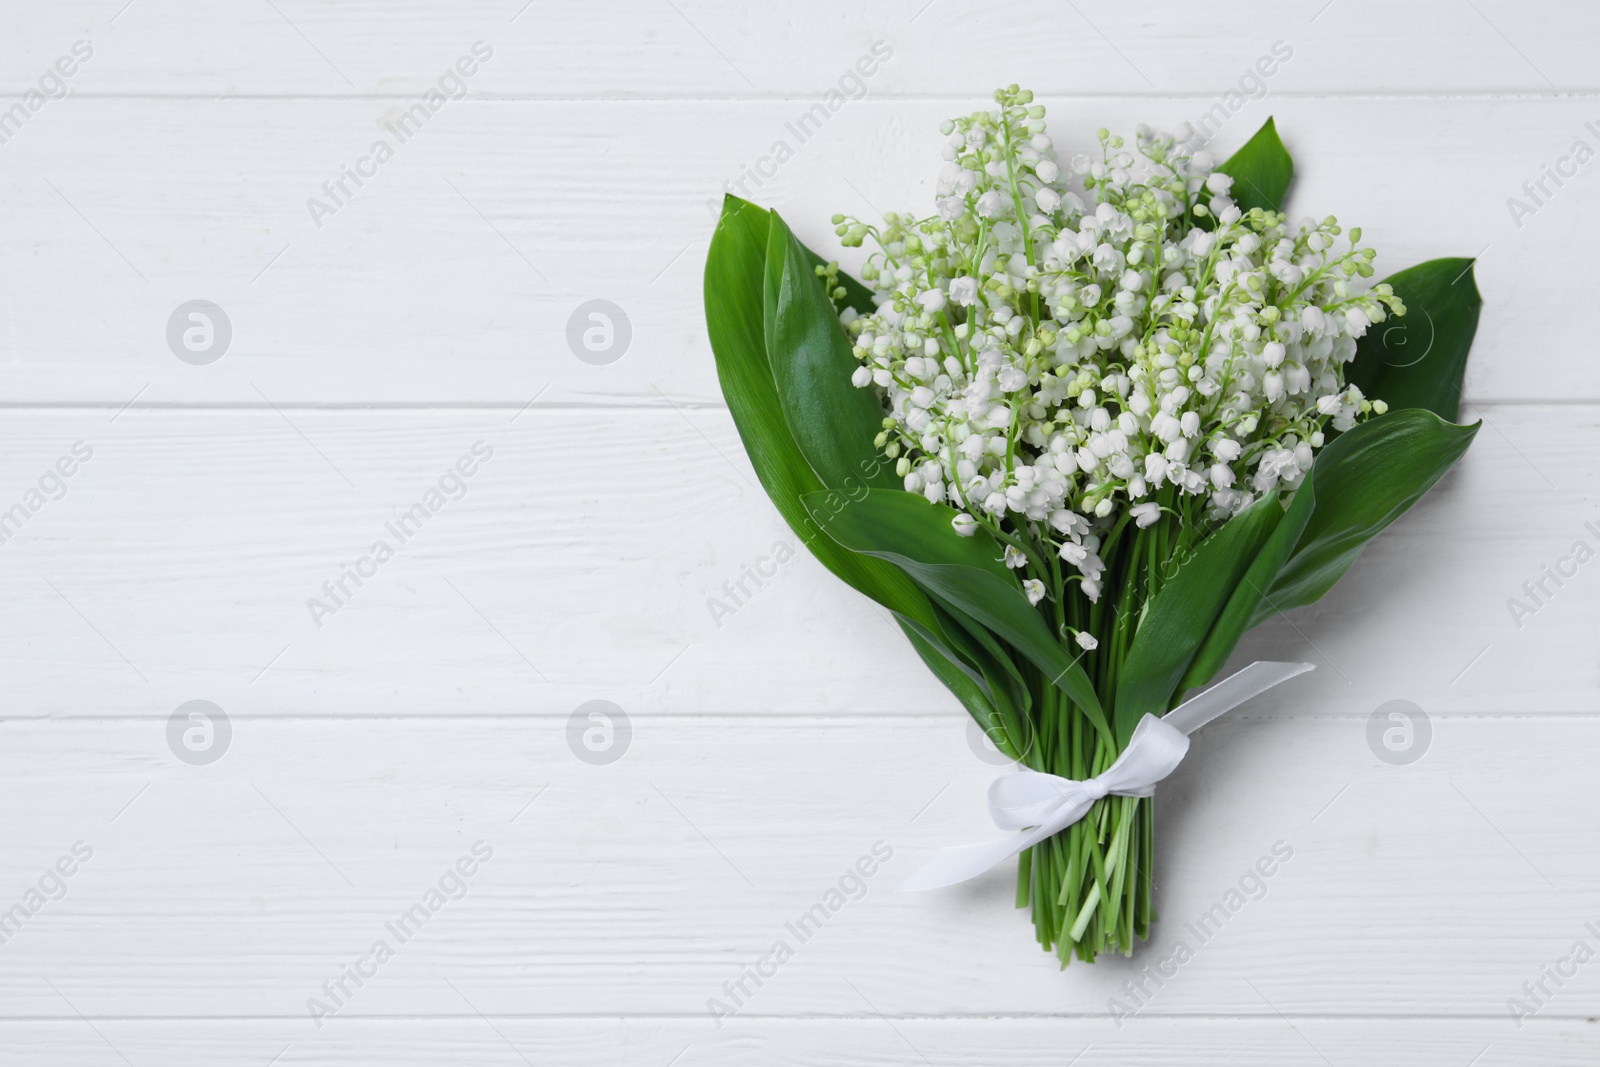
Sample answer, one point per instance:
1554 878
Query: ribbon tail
1232 691
962 863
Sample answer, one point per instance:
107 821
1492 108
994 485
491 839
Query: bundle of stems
1090 885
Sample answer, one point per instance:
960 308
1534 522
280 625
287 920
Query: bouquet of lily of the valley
1079 431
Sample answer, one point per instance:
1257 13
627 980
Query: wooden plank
601 553
622 48
452 275
648 886
832 1042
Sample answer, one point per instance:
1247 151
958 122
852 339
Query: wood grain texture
451 276
776 732
883 1042
699 48
611 554
641 887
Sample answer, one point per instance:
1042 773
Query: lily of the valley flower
1043 351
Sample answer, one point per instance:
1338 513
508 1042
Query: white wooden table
369 745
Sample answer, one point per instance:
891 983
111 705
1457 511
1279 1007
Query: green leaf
916 536
992 695
1239 613
1418 360
832 421
734 303
998 666
1365 479
880 520
972 692
1261 171
973 650
1180 615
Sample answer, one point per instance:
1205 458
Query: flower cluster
1054 362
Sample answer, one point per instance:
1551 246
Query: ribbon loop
1026 798
1039 805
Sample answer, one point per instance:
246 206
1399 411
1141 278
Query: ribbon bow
1038 804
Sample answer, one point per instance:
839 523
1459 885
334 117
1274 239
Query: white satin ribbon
1038 804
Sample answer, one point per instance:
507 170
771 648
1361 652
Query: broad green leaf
1261 171
893 520
972 693
832 421
1180 615
974 641
734 275
1418 360
1365 479
973 651
993 695
1238 615
916 536
800 312
1001 675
